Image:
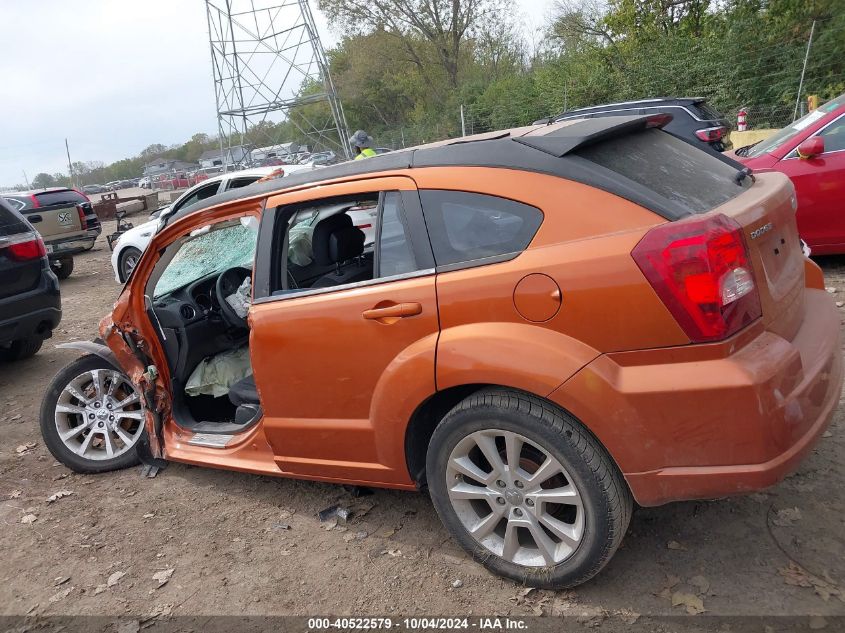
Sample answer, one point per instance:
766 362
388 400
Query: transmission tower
271 80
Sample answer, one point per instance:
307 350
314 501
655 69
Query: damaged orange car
551 324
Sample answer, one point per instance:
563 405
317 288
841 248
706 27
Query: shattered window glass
209 253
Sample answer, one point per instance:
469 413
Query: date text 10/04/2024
418 623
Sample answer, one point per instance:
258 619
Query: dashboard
195 302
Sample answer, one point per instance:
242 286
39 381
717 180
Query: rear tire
20 349
63 413
63 268
549 532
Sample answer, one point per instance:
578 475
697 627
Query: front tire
526 490
127 261
91 417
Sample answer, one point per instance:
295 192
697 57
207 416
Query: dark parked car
692 118
30 306
88 189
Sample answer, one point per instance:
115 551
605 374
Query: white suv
130 246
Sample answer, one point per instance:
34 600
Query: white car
130 245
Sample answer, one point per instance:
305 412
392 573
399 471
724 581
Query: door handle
391 313
34 218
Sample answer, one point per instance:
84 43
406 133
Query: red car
811 152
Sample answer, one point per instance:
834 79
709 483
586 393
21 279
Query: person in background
362 145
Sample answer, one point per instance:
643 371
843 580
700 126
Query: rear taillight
25 247
83 222
701 271
712 134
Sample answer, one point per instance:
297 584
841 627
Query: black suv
30 305
692 118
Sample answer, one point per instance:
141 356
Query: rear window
682 174
704 111
68 196
10 223
469 226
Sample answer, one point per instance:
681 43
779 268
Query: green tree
42 180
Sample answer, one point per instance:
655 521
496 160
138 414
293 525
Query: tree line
404 68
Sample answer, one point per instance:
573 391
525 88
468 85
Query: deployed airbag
214 375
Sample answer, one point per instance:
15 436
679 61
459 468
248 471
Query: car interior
193 301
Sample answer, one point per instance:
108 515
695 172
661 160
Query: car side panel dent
532 358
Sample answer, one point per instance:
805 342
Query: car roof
544 148
32 192
252 171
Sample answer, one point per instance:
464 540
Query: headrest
346 243
335 240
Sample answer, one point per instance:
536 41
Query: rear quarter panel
584 245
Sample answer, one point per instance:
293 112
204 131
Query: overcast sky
113 76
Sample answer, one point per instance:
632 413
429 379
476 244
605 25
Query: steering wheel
227 283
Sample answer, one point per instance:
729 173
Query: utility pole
69 165
803 70
463 122
26 178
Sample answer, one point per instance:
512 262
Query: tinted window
18 204
468 226
678 171
237 183
10 222
704 111
395 254
834 136
59 197
200 194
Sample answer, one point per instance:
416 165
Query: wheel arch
430 412
95 347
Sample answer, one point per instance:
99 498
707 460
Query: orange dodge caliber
550 324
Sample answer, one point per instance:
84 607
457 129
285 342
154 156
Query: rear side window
682 174
68 196
469 226
19 204
10 223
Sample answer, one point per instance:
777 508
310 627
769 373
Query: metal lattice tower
271 78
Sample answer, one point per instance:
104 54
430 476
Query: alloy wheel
130 260
99 414
514 498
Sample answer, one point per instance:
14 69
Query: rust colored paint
537 297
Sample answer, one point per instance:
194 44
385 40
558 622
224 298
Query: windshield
208 253
773 142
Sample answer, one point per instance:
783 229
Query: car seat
336 241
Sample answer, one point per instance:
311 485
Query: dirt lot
223 534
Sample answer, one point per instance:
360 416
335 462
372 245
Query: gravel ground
239 544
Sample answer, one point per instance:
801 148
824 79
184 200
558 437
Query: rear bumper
31 314
71 246
711 421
